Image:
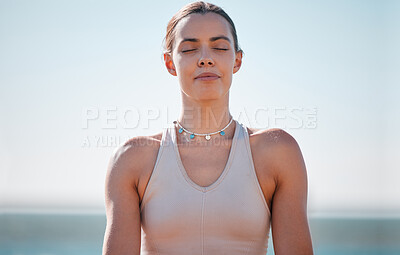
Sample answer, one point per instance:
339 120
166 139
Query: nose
205 59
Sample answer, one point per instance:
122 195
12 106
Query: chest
233 212
204 166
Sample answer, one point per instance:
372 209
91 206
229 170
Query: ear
169 64
238 61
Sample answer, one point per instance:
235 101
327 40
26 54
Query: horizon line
101 211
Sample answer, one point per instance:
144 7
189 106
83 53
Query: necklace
207 135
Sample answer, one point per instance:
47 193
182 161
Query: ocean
73 234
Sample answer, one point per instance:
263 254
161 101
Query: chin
208 98
209 95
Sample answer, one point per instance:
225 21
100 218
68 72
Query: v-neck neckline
226 168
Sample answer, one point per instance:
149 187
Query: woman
206 184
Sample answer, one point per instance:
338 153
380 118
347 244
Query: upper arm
290 230
122 235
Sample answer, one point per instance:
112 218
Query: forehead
202 26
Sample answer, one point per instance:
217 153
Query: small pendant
191 136
208 137
180 131
222 133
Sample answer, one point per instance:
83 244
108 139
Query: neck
205 118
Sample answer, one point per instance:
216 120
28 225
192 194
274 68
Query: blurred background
77 78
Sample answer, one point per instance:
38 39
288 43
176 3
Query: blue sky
62 62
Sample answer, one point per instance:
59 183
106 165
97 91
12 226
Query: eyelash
213 48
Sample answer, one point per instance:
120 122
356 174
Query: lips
207 76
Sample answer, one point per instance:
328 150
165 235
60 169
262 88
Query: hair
200 8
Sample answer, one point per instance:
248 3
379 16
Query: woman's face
203 44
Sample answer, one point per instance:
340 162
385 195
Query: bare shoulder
132 158
272 138
272 134
278 148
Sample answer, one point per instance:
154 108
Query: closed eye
214 48
188 50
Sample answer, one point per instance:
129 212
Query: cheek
228 59
185 65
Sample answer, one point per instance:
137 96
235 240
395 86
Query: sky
77 78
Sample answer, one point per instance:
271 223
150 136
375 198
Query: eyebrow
212 39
